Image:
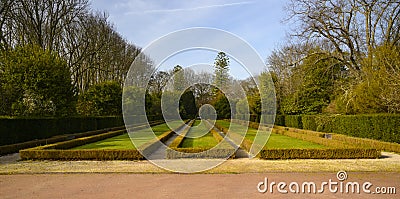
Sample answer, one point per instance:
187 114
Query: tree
102 99
353 27
221 65
179 78
222 106
187 105
157 82
35 82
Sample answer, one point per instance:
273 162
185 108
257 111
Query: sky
257 22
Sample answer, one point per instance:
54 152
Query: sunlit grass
117 142
274 141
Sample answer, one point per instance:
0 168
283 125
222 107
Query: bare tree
353 27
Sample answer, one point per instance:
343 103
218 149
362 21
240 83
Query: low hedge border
84 154
245 143
205 153
148 148
350 153
341 150
179 139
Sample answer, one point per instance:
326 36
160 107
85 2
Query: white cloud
189 8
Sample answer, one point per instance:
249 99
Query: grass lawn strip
117 142
206 141
275 140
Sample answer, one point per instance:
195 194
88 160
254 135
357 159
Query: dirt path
182 186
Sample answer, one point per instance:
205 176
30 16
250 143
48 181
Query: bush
101 99
293 121
354 153
35 82
87 154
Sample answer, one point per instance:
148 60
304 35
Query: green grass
278 141
275 140
117 142
206 141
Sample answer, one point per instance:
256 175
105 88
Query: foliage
222 106
187 105
378 90
34 82
293 121
319 154
84 154
221 70
101 99
14 130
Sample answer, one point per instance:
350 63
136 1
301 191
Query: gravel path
230 186
390 163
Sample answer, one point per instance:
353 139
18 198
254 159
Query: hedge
84 154
216 153
245 143
55 151
17 130
352 153
179 139
148 148
293 121
385 127
14 148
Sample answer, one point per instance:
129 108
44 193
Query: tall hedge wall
16 130
385 127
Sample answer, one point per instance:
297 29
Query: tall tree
221 65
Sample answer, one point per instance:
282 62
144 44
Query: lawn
205 141
274 141
124 141
278 141
117 142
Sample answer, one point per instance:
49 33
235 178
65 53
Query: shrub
87 154
352 153
176 153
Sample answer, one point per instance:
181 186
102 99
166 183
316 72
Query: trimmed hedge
17 130
385 127
216 153
84 154
337 140
351 153
179 139
245 143
293 121
149 147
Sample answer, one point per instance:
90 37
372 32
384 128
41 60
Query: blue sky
142 21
